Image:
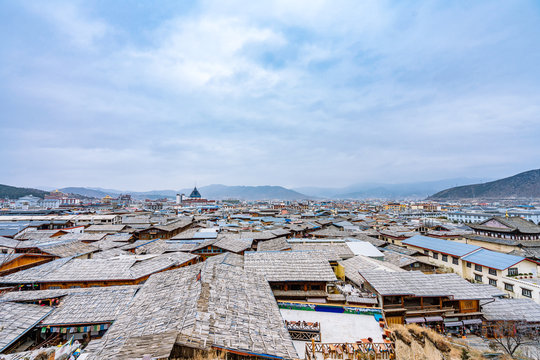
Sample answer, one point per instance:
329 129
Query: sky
145 95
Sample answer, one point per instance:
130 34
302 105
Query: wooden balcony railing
350 351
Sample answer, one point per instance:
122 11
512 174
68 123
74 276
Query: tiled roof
17 319
416 283
120 268
92 305
512 310
227 307
289 265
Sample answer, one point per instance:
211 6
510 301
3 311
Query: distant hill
86 192
523 185
12 192
219 192
417 190
213 192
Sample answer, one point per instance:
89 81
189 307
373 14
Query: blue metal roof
439 245
493 259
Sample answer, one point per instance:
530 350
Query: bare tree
511 335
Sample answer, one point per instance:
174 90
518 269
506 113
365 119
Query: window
455 260
478 277
295 287
435 255
468 264
492 282
426 252
492 272
526 292
316 287
416 264
509 287
444 258
478 268
512 271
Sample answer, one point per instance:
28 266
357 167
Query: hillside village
118 278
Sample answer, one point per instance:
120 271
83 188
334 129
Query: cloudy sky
147 95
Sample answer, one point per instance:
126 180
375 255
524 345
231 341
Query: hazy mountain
215 192
219 192
416 190
88 192
12 192
523 185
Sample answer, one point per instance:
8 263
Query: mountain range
215 192
524 185
412 190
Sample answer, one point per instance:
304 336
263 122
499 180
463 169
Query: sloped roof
364 248
289 265
354 265
228 307
416 283
334 252
512 223
228 243
277 244
17 319
120 268
512 310
105 228
449 247
401 260
92 305
493 259
68 248
9 243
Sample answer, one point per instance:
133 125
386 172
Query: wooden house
76 273
438 300
293 274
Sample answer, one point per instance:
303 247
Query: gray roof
513 223
400 249
278 244
83 236
289 265
162 246
512 310
37 234
232 243
68 248
360 262
335 252
9 243
416 283
402 260
111 229
17 319
121 268
229 307
110 253
92 305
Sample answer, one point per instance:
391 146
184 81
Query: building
166 231
511 228
293 274
517 276
75 273
437 300
211 306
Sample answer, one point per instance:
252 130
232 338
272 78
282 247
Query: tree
511 335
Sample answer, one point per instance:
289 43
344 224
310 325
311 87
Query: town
172 278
